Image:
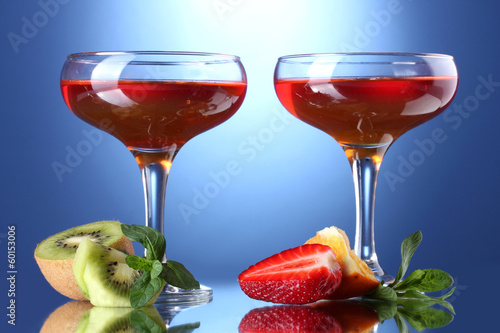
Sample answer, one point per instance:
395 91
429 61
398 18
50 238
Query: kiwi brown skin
66 317
59 273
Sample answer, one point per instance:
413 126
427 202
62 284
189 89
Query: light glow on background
263 181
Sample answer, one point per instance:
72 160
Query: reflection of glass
366 101
154 102
169 312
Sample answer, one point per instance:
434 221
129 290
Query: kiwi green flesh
103 275
63 245
101 319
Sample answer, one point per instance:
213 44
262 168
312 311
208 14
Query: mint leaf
413 278
152 240
413 300
178 276
144 289
403 328
137 262
408 248
426 318
143 323
427 280
156 269
382 293
385 309
448 294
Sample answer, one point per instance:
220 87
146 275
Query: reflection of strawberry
353 316
300 275
288 319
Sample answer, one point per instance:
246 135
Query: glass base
173 296
380 274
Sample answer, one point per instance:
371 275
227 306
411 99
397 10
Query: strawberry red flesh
300 275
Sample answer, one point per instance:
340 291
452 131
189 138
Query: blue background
295 180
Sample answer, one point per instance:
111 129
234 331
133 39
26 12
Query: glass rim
366 54
210 56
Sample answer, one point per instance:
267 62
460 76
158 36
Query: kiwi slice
102 319
103 275
55 254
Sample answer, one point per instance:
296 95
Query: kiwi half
55 254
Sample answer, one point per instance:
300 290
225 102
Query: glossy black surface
229 306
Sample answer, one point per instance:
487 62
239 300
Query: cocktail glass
154 102
366 101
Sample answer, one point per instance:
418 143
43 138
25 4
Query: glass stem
365 172
154 179
155 168
365 165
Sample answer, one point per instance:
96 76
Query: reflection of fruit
104 320
103 275
288 319
65 318
357 277
353 316
296 276
55 254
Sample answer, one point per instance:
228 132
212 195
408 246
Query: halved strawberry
300 275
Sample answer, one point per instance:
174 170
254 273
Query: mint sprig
405 299
409 293
153 270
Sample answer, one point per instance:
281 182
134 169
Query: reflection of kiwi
103 275
103 319
66 317
55 254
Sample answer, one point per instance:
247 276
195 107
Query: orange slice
357 277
